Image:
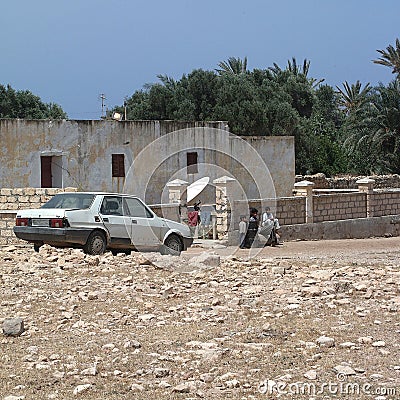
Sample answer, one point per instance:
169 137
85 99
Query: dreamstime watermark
341 387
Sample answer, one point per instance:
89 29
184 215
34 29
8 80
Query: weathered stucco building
140 157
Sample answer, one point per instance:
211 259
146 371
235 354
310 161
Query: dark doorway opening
46 175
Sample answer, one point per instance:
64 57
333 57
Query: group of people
248 230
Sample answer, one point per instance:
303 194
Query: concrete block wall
333 207
169 211
12 200
291 210
386 202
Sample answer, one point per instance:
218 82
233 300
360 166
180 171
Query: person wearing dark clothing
252 229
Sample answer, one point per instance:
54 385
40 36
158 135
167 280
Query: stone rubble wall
15 199
349 182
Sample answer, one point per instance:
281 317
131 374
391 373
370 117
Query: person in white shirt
242 229
275 234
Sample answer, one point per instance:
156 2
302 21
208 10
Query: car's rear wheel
96 243
173 246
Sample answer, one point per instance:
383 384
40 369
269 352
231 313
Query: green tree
295 69
353 97
390 57
233 66
386 136
25 105
318 145
371 134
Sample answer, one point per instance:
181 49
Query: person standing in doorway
252 229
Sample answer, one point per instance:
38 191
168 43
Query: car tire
96 244
173 246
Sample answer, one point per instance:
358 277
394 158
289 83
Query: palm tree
234 66
352 98
167 81
390 58
379 130
295 69
387 134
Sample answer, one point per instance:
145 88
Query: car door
117 224
146 228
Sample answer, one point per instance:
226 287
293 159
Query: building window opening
192 162
118 166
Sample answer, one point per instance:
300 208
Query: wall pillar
177 194
305 188
366 185
227 190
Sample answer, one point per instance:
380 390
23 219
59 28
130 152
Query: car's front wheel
173 246
96 243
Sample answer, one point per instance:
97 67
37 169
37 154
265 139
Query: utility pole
102 97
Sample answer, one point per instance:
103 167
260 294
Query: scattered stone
202 329
365 339
147 317
90 371
376 377
9 249
311 374
207 260
11 397
161 372
344 370
347 344
322 275
13 327
278 270
312 291
181 388
325 341
135 387
234 383
81 388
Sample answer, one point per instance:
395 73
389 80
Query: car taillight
21 222
56 223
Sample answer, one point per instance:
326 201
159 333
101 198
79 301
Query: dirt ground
305 320
373 249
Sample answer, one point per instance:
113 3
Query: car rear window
77 201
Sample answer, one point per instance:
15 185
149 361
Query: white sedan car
96 222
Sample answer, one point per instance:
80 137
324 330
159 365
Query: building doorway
51 171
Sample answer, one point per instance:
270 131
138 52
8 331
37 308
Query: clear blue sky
70 51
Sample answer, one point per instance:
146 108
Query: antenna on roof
102 97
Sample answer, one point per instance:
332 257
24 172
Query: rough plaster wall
87 146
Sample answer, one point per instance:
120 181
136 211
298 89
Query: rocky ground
310 320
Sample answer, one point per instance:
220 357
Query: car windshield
79 201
